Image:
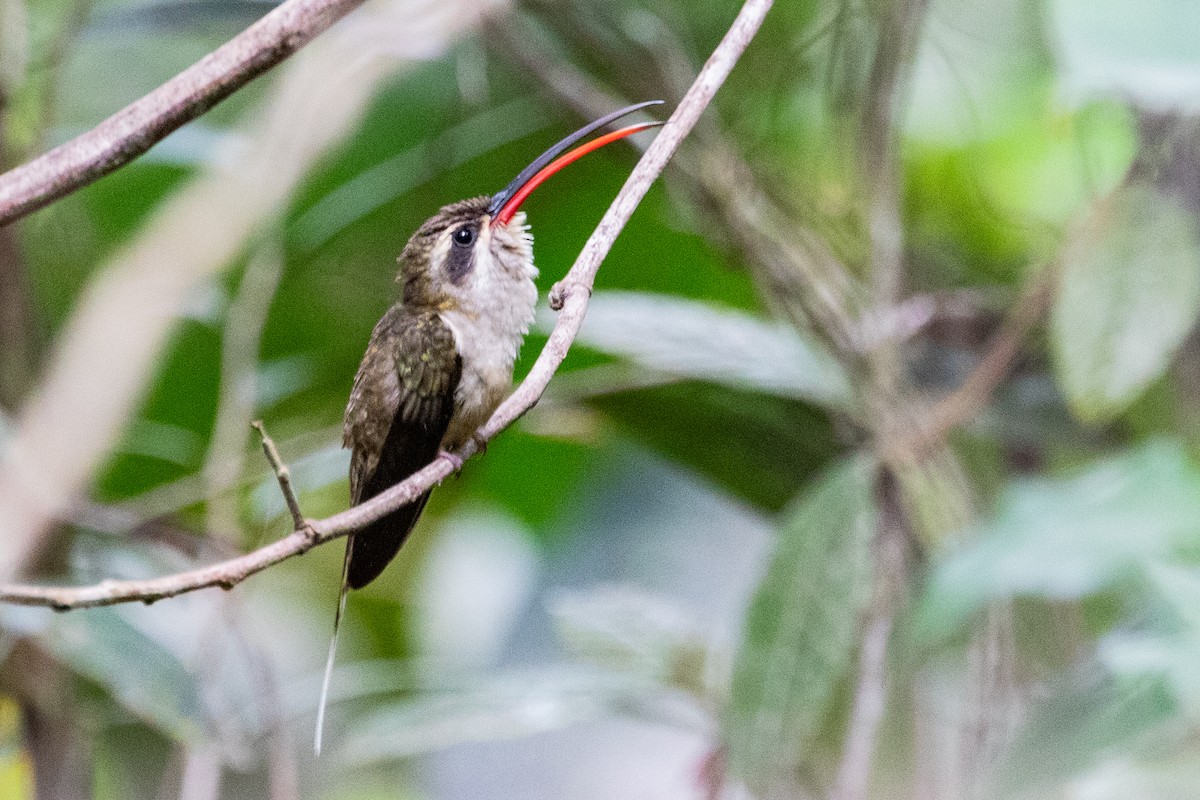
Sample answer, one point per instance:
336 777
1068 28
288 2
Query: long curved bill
506 202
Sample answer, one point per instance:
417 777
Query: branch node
312 537
562 290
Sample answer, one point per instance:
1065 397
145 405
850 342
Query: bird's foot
480 443
455 460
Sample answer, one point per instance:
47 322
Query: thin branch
570 297
282 474
899 34
870 690
136 128
974 393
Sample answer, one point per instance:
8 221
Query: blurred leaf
760 448
1129 294
1167 646
1179 587
1149 679
691 339
802 626
1064 538
1172 776
14 45
1085 719
1142 49
622 629
99 644
364 194
502 477
16 769
985 66
1051 169
508 707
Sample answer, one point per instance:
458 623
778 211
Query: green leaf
1064 538
141 674
760 448
1164 645
510 706
1143 703
801 626
620 628
689 339
1129 294
1087 718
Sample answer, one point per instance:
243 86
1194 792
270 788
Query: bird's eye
464 236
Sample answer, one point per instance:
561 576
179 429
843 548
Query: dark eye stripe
460 260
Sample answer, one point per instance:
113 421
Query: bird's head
477 247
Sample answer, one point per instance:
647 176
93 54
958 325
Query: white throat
489 326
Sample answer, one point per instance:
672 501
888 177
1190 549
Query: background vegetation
873 473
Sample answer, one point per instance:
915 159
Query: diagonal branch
569 297
136 128
1002 350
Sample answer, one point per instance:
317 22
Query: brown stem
969 398
899 36
18 329
870 688
135 128
570 297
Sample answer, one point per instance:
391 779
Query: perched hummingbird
441 360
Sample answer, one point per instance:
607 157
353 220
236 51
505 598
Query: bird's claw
480 443
455 460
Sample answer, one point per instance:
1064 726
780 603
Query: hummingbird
440 361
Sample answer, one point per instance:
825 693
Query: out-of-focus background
872 474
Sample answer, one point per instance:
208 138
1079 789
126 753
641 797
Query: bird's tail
377 544
337 624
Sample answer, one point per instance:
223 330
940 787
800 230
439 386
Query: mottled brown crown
416 273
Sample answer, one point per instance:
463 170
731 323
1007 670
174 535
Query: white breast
488 332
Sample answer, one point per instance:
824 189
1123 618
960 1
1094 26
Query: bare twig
899 36
282 474
968 399
569 297
135 128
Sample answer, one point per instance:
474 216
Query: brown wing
399 410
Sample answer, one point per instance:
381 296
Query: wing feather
399 410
